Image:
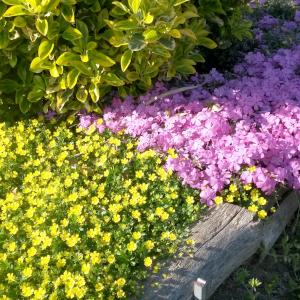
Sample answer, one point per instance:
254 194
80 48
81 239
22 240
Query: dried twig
183 89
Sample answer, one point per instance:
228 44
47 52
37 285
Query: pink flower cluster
252 120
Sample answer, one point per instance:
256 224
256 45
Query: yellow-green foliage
72 52
81 214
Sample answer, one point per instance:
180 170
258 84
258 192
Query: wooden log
224 239
278 221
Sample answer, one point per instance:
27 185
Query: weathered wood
224 239
279 220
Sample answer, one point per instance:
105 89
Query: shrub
83 215
71 53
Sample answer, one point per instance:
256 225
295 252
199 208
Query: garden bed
224 239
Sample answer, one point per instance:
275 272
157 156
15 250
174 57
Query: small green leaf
23 70
113 80
122 6
36 95
94 92
148 19
20 22
125 25
25 105
137 42
135 5
8 85
16 10
158 49
188 32
4 40
72 78
81 66
197 58
3 8
101 59
206 42
42 26
133 76
11 2
91 46
68 13
168 44
178 2
126 59
81 26
67 58
71 34
151 36
81 94
45 49
186 69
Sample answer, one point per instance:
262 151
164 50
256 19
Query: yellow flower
164 216
12 246
253 208
232 188
190 200
149 245
64 222
252 169
147 261
152 177
262 214
10 277
131 246
247 187
45 260
172 237
219 200
273 209
111 259
190 241
116 218
85 268
121 281
159 211
139 174
99 287
120 293
60 263
31 251
136 235
136 214
229 198
262 201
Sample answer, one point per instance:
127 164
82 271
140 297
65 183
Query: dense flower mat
83 215
248 129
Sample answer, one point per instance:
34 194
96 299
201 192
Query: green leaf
23 70
122 6
168 44
81 26
137 42
11 2
175 33
158 49
188 32
71 34
68 13
25 105
63 97
150 36
67 58
133 76
148 19
206 42
8 85
3 8
197 58
42 26
45 49
81 94
81 66
134 4
101 59
113 80
94 92
178 2
36 63
91 46
74 105
125 60
19 95
189 14
4 40
125 25
38 81
36 95
185 68
16 10
50 5
72 78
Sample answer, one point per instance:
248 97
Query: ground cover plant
84 215
82 49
